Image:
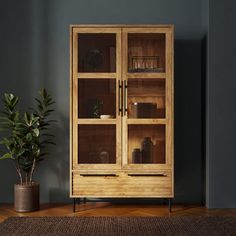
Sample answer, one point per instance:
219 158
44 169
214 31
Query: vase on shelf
136 156
147 150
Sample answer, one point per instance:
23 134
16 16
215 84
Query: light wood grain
122 26
74 98
96 121
152 75
118 113
71 105
162 94
99 75
124 118
122 186
97 30
170 100
146 121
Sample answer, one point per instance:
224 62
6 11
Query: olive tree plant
25 134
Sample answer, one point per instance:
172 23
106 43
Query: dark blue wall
221 116
34 46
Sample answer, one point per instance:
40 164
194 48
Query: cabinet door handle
147 175
125 97
119 98
98 175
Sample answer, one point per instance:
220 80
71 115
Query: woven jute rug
119 226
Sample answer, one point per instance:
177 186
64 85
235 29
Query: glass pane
97 144
146 98
146 52
146 144
97 52
97 98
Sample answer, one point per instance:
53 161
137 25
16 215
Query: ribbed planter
26 197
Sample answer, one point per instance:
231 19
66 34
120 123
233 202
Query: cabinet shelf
145 95
146 121
96 121
147 75
96 75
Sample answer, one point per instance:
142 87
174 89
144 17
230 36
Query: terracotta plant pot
26 197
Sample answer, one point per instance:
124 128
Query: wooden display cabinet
121 128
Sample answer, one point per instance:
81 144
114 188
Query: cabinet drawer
122 185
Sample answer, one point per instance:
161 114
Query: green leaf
21 152
36 132
7 97
14 101
38 101
27 118
50 103
6 156
4 113
34 119
5 141
28 137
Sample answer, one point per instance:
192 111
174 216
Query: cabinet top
122 26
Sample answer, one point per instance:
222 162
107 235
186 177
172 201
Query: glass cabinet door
97 144
146 98
97 52
97 98
147 91
146 52
97 121
96 113
146 144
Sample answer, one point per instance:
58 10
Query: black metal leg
170 205
85 200
75 200
164 201
74 203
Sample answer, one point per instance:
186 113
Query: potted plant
25 136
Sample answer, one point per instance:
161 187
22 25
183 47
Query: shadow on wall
61 162
188 121
54 173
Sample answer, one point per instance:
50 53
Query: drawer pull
147 175
98 175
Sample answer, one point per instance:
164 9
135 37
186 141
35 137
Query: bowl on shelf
106 116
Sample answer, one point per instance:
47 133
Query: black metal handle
98 175
147 175
119 97
125 97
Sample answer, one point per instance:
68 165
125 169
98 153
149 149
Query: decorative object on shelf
144 110
121 123
145 64
26 136
104 157
94 108
106 116
94 59
136 156
147 150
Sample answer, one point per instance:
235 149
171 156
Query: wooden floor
111 209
